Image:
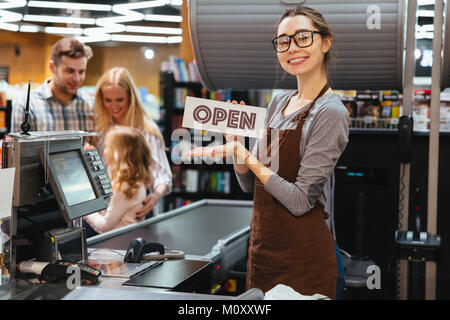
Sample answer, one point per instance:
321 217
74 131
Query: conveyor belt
194 229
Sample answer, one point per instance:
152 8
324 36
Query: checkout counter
57 183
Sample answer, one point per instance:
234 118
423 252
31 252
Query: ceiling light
425 2
9 26
8 16
159 30
94 38
9 4
161 17
109 28
174 39
425 13
57 19
149 54
427 27
130 38
141 5
29 28
60 30
424 35
68 5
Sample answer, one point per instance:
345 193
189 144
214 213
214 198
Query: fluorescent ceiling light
176 2
9 26
119 19
30 28
128 15
95 38
174 39
159 30
9 4
109 28
69 5
425 2
8 16
60 30
425 13
426 27
161 17
130 38
141 5
57 19
424 35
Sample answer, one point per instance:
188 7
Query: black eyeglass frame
291 37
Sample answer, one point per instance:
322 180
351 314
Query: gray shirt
324 138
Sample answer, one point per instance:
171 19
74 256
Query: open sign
223 117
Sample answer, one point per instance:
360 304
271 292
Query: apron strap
304 114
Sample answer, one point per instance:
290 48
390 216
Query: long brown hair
135 117
318 21
129 158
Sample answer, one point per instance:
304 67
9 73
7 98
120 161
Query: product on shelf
421 109
445 110
368 107
182 71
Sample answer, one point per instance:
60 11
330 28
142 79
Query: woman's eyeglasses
302 39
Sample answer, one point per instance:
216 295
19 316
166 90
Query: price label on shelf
223 117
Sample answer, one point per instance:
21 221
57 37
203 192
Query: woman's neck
310 84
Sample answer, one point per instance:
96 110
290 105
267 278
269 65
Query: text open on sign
217 116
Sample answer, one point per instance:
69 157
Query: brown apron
285 249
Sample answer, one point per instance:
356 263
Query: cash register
56 183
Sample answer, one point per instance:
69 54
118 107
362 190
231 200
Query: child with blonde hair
129 162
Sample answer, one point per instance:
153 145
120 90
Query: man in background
57 104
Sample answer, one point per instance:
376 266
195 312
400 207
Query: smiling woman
117 102
306 132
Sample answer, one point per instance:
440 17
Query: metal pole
433 155
408 100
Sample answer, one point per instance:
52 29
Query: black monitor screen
72 177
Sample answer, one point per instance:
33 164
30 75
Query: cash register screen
72 176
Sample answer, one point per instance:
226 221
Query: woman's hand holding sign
232 148
243 159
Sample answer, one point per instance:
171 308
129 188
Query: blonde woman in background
129 162
117 102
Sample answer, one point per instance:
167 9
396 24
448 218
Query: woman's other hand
147 205
222 151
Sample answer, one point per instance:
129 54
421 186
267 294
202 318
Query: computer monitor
78 179
72 176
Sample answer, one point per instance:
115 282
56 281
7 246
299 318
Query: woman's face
116 100
298 61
